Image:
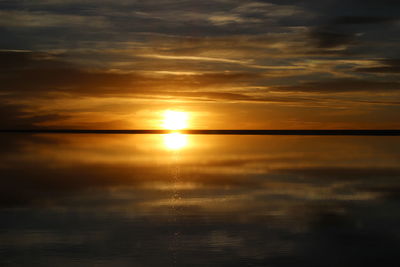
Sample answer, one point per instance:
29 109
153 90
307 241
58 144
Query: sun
175 120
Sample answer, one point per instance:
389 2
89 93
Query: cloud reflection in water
225 200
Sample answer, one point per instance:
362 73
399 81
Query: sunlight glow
175 141
175 120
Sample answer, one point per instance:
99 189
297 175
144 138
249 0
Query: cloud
364 20
341 85
255 13
33 74
43 75
197 58
271 51
326 38
44 19
13 116
384 66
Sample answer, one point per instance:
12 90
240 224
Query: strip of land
215 132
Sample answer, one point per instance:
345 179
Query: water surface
193 200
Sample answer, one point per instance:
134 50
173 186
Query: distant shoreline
212 132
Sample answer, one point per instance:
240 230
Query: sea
199 200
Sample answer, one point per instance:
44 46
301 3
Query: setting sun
175 120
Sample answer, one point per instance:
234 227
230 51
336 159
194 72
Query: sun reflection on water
175 141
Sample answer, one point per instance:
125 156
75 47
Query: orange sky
229 64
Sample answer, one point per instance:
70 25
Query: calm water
172 200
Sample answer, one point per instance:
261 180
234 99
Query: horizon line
361 132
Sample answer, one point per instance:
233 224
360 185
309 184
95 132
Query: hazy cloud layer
220 51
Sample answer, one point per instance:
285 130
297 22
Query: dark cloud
12 59
17 60
342 85
13 116
364 20
216 51
34 74
78 82
44 75
387 66
325 38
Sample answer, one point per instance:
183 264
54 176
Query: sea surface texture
197 200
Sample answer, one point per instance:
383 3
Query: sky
230 64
